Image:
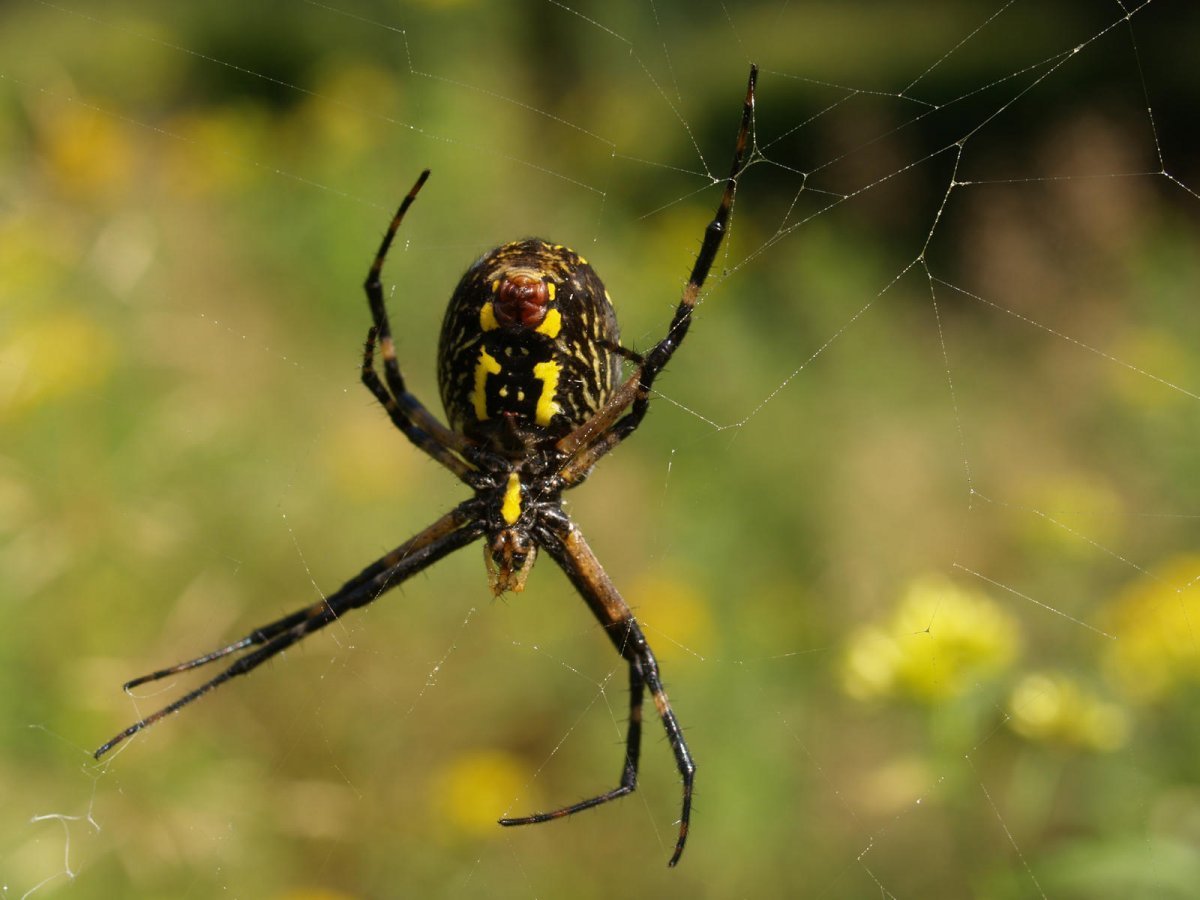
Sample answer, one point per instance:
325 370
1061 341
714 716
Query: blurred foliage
915 543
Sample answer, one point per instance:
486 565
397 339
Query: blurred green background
912 525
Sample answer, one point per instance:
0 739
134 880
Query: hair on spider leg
530 367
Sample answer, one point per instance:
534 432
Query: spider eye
521 300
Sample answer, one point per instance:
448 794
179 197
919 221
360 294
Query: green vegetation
915 544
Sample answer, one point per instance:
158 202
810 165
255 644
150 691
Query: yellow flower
472 791
87 153
676 617
215 150
45 360
1156 621
941 640
1053 708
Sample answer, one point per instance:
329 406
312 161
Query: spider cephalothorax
529 367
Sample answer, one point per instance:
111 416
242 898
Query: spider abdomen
526 351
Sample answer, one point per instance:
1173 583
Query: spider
529 368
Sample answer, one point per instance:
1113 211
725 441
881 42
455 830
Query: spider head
509 557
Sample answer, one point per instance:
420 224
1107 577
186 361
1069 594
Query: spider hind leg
629 772
565 544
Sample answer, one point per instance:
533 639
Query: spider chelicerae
529 367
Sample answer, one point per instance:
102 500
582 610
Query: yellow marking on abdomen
487 317
551 325
510 509
486 366
547 373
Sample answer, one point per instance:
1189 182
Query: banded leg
568 548
593 439
406 411
454 530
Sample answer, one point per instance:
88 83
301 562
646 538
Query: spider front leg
406 412
444 451
627 407
565 544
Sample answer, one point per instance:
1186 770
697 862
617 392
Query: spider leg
631 355
629 773
454 530
566 546
407 412
446 454
443 526
606 429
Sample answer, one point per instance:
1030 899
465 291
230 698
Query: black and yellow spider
529 368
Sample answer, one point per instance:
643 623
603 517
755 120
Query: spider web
911 524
